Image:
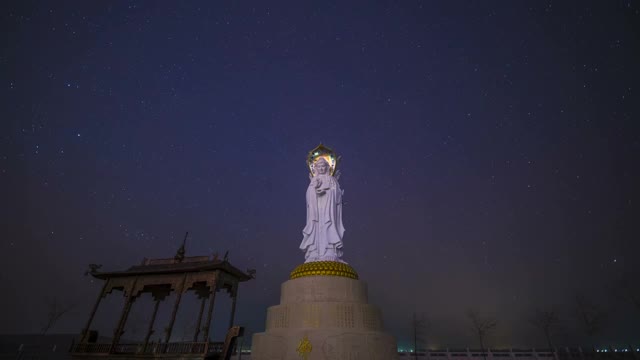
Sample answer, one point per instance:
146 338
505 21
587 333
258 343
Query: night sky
489 155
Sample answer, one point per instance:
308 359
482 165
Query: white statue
322 235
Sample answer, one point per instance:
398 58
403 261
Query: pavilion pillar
123 320
234 297
197 329
212 300
85 331
179 291
153 320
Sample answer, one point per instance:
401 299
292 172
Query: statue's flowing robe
322 235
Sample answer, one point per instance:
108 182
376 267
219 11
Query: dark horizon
11 339
489 155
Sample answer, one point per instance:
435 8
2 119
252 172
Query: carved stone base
323 318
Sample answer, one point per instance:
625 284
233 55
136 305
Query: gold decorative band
323 268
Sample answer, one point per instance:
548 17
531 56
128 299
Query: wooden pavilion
203 275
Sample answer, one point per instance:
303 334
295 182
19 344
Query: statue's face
321 167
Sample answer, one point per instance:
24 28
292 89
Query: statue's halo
322 152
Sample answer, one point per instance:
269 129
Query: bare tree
626 289
482 326
239 347
188 329
419 327
547 321
591 316
56 310
134 322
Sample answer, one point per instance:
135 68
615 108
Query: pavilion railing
151 348
92 348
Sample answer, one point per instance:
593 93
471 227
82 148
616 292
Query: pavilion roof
172 266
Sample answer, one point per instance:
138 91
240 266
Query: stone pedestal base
323 318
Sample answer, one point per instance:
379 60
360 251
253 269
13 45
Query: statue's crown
322 152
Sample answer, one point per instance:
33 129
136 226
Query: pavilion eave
177 267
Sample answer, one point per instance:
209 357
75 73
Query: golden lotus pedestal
323 314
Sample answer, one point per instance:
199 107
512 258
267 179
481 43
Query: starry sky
489 155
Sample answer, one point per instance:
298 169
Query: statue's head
329 157
321 166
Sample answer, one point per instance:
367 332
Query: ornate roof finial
180 253
93 268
